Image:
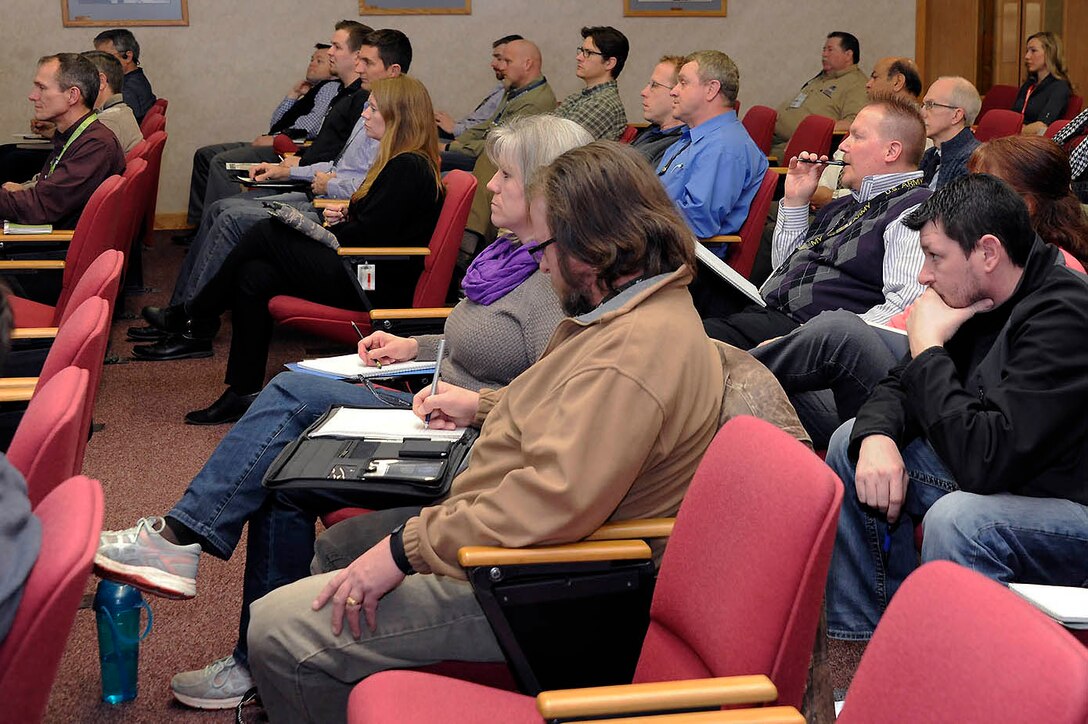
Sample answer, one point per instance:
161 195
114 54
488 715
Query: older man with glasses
713 171
949 109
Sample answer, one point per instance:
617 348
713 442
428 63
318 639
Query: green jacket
532 99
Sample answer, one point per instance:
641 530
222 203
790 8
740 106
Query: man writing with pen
980 430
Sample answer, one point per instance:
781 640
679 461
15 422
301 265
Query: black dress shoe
185 238
175 346
146 334
228 408
171 319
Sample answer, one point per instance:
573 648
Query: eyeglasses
586 52
537 250
654 84
928 105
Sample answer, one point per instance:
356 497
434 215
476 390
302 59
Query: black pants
270 260
730 316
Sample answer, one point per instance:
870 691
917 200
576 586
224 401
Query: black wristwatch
396 547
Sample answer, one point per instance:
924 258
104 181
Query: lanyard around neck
75 134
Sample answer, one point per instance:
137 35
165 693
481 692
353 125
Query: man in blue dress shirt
713 171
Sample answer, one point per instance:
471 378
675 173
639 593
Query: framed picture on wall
110 13
674 8
415 7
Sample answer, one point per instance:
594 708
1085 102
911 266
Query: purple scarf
498 270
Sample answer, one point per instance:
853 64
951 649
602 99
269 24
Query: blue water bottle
117 610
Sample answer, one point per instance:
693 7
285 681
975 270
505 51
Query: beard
575 303
573 292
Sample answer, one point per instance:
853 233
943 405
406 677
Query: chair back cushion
742 579
759 122
45 443
999 123
102 279
154 164
999 97
743 258
94 233
1073 107
153 122
954 646
434 282
71 518
813 134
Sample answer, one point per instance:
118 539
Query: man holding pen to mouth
856 255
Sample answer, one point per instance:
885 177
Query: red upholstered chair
71 518
45 444
157 143
954 646
80 342
759 122
629 133
743 257
153 122
1071 261
431 288
137 151
101 279
813 134
161 103
95 233
999 123
1073 107
739 593
283 145
1055 126
1000 97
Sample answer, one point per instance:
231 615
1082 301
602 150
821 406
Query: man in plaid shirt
598 107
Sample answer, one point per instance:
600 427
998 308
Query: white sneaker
141 557
220 685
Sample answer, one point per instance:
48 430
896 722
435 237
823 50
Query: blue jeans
1011 538
222 226
227 492
871 558
828 366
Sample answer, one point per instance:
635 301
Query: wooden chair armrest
412 313
30 264
764 715
628 550
54 237
329 203
8 383
34 333
659 696
16 394
632 529
780 170
721 239
772 160
383 251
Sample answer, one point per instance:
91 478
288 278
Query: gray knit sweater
488 346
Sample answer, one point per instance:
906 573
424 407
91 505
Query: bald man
527 93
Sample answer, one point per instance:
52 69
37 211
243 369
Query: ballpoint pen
377 362
437 370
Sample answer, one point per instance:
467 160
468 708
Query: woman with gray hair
495 333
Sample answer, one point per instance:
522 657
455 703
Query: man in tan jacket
610 424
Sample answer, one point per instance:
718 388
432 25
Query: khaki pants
304 673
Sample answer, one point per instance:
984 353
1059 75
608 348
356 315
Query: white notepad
380 425
728 274
349 365
1065 604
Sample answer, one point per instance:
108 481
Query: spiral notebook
350 367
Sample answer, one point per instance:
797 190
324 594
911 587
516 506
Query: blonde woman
1044 95
397 205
